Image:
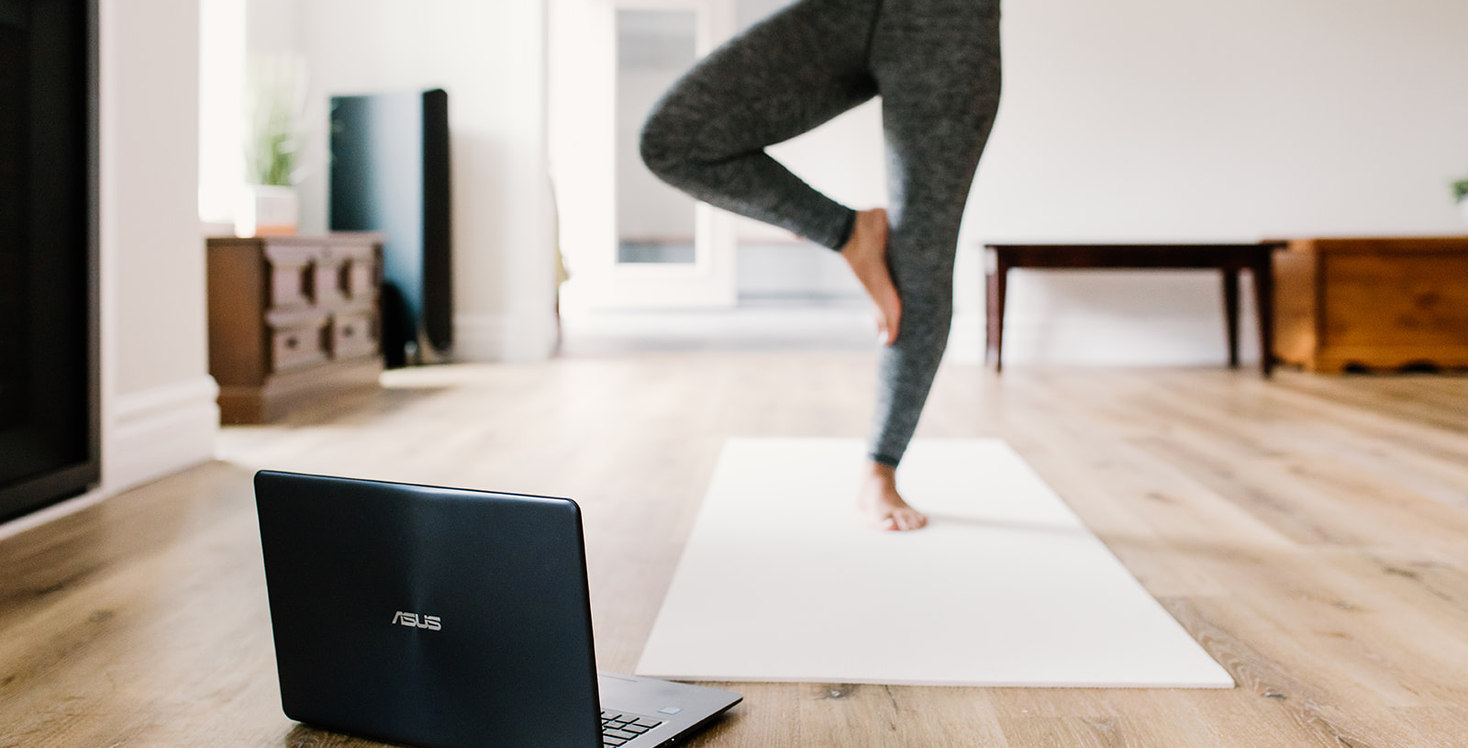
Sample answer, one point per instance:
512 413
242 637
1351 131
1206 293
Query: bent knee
662 144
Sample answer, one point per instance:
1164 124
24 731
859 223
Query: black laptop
448 617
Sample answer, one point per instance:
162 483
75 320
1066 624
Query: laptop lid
431 616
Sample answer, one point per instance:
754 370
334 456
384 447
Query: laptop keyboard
617 729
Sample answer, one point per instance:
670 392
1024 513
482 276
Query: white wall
221 108
1155 119
157 397
1160 120
272 26
490 57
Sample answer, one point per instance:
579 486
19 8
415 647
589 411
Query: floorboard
1308 531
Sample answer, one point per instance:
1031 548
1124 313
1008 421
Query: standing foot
881 505
866 253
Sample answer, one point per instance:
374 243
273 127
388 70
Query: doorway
629 240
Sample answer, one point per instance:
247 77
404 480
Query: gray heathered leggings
935 64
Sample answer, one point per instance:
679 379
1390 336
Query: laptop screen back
433 616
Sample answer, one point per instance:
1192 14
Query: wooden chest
292 319
1377 304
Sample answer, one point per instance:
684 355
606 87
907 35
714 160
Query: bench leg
994 317
1231 313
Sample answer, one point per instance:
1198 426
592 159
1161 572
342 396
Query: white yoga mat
781 581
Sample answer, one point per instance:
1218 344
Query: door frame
582 100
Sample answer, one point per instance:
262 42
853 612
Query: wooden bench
1227 258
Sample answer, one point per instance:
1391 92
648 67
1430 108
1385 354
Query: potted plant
274 103
1460 191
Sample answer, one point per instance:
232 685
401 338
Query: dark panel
390 174
14 174
48 349
438 312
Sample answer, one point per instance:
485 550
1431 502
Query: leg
787 74
990 259
1263 272
1231 313
784 76
937 65
998 279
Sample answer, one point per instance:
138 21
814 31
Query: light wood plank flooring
1311 533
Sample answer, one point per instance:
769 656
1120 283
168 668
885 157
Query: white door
629 239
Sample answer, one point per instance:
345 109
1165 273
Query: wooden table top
1139 256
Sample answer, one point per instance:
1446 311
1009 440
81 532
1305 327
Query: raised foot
866 253
882 507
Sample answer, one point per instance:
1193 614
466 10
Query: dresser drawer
353 335
357 276
297 346
345 275
1401 299
293 275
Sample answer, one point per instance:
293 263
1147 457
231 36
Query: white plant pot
267 210
1463 208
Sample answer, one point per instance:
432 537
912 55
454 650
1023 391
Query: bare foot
866 253
881 505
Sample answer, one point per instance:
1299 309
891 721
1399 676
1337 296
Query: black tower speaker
390 174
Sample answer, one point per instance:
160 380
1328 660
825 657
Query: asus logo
413 620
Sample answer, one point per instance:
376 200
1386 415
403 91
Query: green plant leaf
274 105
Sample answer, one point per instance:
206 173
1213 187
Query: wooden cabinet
292 319
1372 303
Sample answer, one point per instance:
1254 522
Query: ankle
855 239
883 472
862 228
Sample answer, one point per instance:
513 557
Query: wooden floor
1310 532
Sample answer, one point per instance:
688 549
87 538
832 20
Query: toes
900 520
909 519
891 311
887 327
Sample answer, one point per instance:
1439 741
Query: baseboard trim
499 338
159 431
479 337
